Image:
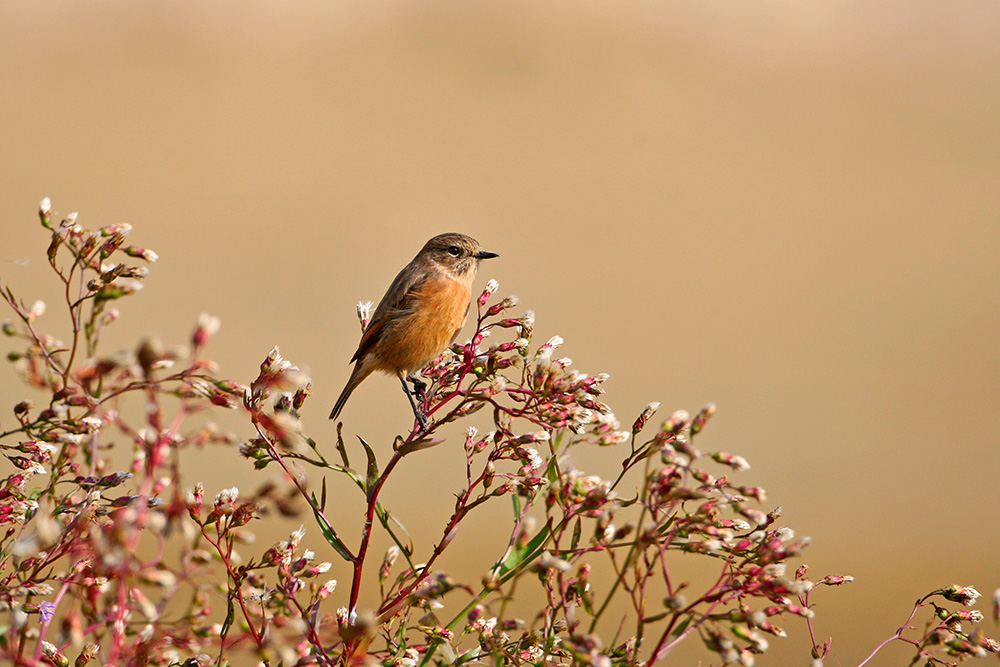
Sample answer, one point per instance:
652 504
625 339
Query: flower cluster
118 559
569 524
84 539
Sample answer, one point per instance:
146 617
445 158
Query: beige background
788 208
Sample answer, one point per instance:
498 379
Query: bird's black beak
483 254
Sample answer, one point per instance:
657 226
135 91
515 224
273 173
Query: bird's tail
357 375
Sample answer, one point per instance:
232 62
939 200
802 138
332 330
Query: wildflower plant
138 566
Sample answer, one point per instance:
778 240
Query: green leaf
682 626
528 552
371 478
577 529
551 471
331 537
385 516
587 602
230 613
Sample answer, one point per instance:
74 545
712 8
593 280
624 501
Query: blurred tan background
790 209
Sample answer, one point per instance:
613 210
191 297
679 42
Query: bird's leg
418 387
417 412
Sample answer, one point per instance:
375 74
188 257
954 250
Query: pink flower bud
208 326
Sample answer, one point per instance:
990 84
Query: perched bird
419 316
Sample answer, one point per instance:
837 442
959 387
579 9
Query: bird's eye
454 251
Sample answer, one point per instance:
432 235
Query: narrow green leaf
230 613
552 471
527 552
385 517
577 530
588 605
371 478
331 537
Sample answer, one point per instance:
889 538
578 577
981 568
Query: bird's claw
419 387
422 420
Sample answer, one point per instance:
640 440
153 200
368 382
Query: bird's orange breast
417 335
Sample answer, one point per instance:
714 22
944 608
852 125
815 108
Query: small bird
420 315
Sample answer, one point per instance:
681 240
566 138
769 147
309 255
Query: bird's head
456 253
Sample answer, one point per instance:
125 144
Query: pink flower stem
898 635
295 480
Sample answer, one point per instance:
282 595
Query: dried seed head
141 253
964 595
647 413
731 460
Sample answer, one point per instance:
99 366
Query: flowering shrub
135 567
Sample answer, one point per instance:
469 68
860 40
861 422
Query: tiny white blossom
534 460
492 286
227 496
209 323
547 561
93 423
498 384
296 537
609 420
37 310
739 463
785 534
50 650
776 569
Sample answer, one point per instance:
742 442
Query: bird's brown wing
397 298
